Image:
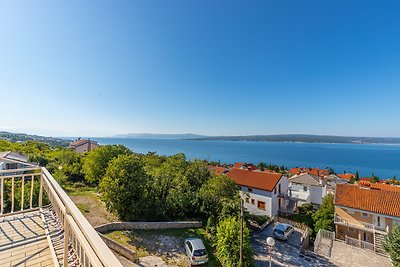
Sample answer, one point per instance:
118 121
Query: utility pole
241 232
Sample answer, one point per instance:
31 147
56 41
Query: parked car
282 231
196 251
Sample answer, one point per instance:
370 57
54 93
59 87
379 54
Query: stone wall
122 226
126 252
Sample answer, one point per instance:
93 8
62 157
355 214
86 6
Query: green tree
374 179
124 189
96 161
216 193
357 176
262 166
228 243
324 217
391 244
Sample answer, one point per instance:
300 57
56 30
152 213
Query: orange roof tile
346 176
260 180
378 201
380 186
218 169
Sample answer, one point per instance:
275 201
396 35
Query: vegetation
324 217
391 244
374 179
228 243
271 167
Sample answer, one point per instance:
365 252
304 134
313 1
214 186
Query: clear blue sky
96 68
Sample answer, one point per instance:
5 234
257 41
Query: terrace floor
25 239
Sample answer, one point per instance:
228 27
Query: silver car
196 251
282 231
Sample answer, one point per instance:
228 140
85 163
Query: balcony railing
362 226
34 190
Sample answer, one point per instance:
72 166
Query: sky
99 68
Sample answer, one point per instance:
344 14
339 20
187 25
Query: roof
380 186
13 156
196 242
373 200
313 171
306 179
218 169
249 166
260 180
80 142
346 176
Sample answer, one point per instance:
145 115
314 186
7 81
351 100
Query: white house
307 188
264 193
11 160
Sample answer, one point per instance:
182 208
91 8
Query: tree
391 244
217 192
262 166
374 179
124 188
228 243
324 217
96 161
357 176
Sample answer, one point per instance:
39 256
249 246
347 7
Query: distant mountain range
21 137
159 136
306 138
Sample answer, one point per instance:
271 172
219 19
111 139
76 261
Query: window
261 205
365 215
189 246
378 220
249 189
247 200
252 201
305 188
279 190
275 190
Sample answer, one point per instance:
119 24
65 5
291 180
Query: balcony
41 226
358 225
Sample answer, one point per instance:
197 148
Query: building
307 188
264 193
313 171
83 145
332 180
346 176
12 160
366 214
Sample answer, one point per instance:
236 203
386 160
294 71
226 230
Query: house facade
82 146
264 193
366 214
307 188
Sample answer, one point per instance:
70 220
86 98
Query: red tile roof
380 186
346 176
373 200
260 180
313 171
218 169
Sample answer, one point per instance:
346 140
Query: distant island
305 138
159 136
21 137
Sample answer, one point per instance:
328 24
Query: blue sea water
368 159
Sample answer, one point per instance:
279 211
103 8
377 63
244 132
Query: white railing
78 233
359 243
363 226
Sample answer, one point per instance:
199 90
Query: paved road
286 253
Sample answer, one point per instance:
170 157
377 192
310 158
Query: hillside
21 137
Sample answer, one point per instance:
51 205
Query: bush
228 243
391 244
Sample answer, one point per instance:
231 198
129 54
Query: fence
24 190
359 243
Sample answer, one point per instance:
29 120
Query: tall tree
391 244
228 243
124 188
324 217
96 161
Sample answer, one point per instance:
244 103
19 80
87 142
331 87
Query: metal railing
23 190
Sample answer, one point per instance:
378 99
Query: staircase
379 237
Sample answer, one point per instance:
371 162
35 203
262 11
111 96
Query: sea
379 159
